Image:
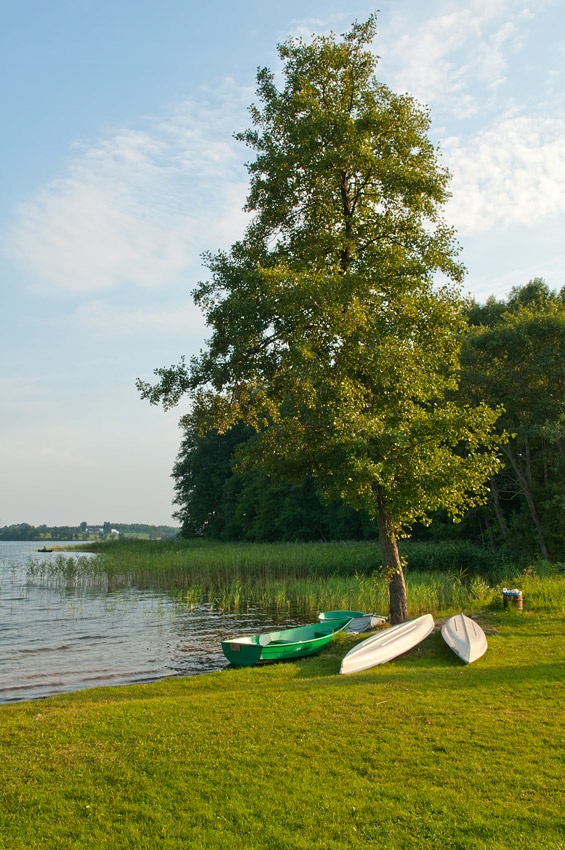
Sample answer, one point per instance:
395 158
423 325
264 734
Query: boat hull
387 645
359 622
338 615
464 637
284 645
364 624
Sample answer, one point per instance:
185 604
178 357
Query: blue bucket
513 598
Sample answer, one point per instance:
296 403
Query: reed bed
80 572
301 577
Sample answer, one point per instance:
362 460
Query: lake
56 638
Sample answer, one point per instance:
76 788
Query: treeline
24 531
141 530
219 502
513 358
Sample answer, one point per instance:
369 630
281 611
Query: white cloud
512 173
140 205
447 60
306 27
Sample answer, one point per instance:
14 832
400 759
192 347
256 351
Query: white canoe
387 644
464 637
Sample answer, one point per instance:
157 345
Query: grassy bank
421 752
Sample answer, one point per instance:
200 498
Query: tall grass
543 587
303 577
76 572
153 561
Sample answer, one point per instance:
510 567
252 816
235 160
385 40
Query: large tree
329 336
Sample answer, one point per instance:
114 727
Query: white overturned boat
464 637
388 644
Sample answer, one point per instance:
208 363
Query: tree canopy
330 336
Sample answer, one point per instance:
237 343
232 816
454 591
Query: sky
119 169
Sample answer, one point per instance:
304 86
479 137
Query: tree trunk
489 534
398 607
527 491
528 472
498 510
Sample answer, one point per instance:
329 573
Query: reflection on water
56 638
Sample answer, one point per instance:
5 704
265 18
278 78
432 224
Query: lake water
55 638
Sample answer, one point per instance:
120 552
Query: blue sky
119 169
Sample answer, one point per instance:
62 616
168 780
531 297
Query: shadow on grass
432 657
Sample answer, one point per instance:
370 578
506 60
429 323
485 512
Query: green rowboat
281 646
339 615
359 622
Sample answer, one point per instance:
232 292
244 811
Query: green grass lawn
420 752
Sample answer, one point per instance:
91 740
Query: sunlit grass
420 752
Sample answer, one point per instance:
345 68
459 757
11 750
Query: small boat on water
359 623
387 644
464 637
283 645
45 550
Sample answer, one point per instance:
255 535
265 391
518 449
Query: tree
329 337
516 358
214 500
202 474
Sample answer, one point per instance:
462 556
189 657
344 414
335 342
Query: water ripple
55 640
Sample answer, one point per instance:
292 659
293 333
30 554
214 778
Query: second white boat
388 644
464 637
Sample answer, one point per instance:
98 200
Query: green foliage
515 357
203 485
24 531
219 502
333 343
